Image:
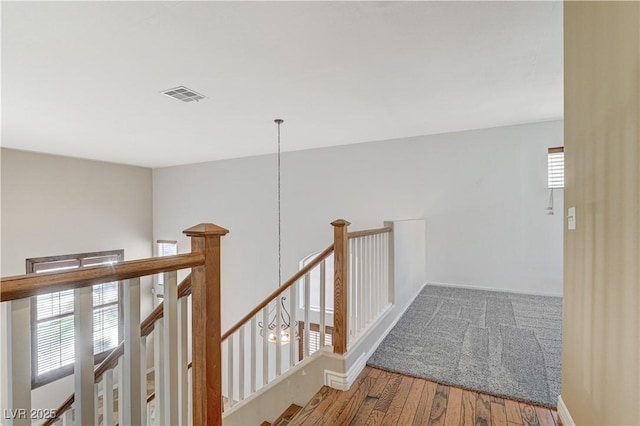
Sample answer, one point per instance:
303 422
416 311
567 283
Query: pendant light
270 331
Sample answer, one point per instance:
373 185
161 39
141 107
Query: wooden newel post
206 321
340 285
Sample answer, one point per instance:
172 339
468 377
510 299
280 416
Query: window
52 330
314 338
164 248
314 284
555 162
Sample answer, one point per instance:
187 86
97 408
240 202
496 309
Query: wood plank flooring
382 398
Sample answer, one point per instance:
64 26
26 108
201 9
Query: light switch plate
571 219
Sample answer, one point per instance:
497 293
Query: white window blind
555 162
314 338
52 317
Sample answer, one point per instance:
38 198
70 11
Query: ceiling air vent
183 94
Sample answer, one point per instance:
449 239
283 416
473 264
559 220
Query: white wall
483 194
56 205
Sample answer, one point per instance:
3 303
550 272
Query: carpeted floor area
500 343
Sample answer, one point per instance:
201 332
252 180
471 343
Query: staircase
311 315
285 418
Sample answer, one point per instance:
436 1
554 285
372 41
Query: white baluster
131 386
183 361
67 417
230 370
241 364
265 345
107 398
352 296
143 379
170 375
390 296
253 354
278 337
96 391
19 358
363 306
376 281
293 322
323 301
120 398
158 369
307 301
368 285
83 366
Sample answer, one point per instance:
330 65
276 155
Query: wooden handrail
21 286
299 275
322 256
146 327
366 232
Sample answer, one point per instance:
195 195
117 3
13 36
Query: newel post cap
204 229
340 222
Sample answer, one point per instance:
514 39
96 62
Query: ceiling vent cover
183 94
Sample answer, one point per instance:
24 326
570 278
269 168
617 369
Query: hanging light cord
279 121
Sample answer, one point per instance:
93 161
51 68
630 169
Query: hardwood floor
382 398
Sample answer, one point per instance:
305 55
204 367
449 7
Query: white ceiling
83 78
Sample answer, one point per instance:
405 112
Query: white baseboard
343 381
503 290
563 413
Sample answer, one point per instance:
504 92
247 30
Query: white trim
343 381
563 413
369 329
502 290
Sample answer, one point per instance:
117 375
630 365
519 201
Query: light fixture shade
285 334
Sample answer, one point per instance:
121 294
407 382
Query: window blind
53 344
555 162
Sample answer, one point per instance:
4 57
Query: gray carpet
504 344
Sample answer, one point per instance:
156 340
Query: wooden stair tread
265 424
288 415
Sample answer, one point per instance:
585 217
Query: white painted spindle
278 336
183 361
158 368
170 373
107 398
253 353
96 392
119 387
323 301
83 365
143 379
131 386
293 322
19 359
241 363
265 345
307 301
67 417
230 369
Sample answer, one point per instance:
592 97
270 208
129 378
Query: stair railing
297 319
104 373
170 368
